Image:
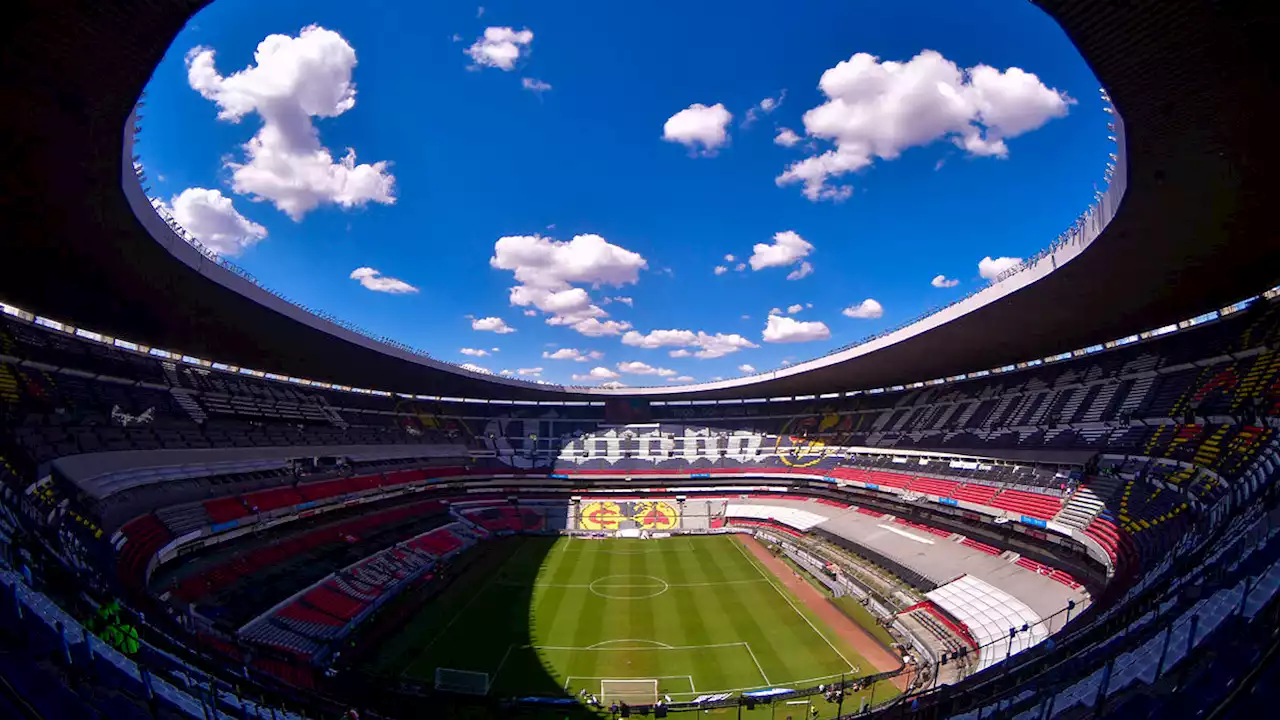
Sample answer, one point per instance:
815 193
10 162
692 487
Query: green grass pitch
546 615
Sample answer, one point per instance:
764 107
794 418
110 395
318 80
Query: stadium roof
1194 231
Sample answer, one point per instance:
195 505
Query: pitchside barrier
645 693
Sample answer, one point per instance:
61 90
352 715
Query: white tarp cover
794 517
989 613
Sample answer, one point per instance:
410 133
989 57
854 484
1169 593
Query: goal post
467 682
631 692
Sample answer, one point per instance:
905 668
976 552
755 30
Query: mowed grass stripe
799 649
639 621
448 645
540 595
817 627
553 618
734 616
694 626
590 623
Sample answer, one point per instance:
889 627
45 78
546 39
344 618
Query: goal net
631 692
462 681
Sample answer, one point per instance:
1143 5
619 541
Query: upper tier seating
98 404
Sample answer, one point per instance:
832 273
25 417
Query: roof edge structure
1185 226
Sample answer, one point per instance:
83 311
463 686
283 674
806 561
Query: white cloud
531 313
492 324
494 349
535 85
782 329
729 258
373 280
786 363
624 300
292 80
775 311
803 270
740 267
477 368
990 268
700 128
474 352
548 271
878 109
793 309
639 368
681 379
680 353
210 217
500 47
720 270
747 369
786 138
788 248
612 385
746 317
709 346
529 372
573 354
764 107
597 373
592 327
941 281
867 309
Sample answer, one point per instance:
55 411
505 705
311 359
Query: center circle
629 587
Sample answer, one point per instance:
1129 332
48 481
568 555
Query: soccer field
623 619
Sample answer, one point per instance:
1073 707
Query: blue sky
625 127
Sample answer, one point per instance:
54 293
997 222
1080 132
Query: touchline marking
757 662
782 594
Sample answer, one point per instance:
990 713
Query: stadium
1053 497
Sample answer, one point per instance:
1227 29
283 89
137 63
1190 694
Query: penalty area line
757 662
655 643
764 574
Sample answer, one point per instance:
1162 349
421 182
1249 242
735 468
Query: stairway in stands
1088 501
1260 378
8 386
189 404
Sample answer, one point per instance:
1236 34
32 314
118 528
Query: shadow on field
477 617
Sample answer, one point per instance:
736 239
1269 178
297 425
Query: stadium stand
1139 473
1140 501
